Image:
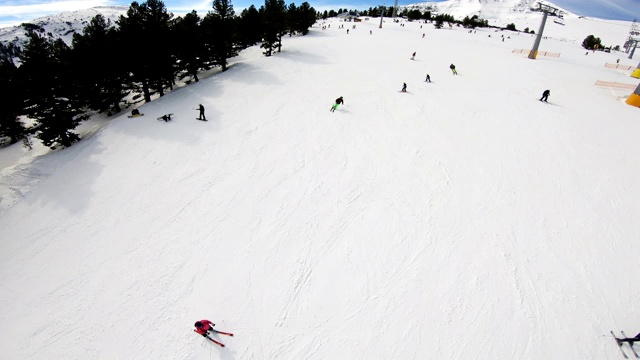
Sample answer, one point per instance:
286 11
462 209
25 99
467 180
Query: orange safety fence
615 85
618 66
541 53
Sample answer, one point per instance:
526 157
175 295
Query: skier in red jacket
203 327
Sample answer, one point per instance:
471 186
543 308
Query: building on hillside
349 16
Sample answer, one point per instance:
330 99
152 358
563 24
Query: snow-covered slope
524 14
62 25
486 9
463 219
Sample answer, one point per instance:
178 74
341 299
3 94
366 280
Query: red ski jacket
206 326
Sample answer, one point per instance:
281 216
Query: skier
629 340
428 79
545 95
201 116
203 327
453 69
413 56
404 87
339 101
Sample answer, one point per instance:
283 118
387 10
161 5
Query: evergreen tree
10 102
274 25
291 16
189 44
144 32
591 42
221 31
50 97
250 26
301 18
98 67
414 15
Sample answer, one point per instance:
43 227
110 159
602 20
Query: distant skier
339 101
545 95
413 57
428 78
453 69
201 116
404 87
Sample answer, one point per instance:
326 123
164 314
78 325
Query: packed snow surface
463 219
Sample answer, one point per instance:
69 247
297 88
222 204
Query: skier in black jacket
545 95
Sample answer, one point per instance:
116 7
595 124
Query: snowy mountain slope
523 14
62 25
464 219
486 9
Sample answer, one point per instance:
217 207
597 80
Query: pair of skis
219 332
620 345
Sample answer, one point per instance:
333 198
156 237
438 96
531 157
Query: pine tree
98 66
221 32
10 102
250 26
188 36
274 21
50 96
144 32
300 18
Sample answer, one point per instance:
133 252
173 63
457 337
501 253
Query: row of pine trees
107 67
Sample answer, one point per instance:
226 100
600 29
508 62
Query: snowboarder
545 95
201 116
453 69
428 78
203 327
339 101
629 340
165 117
413 57
404 87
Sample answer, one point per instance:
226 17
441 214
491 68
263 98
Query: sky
14 12
462 219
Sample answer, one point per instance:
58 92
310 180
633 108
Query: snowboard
134 116
201 119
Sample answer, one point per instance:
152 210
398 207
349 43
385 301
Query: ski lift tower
546 9
395 9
